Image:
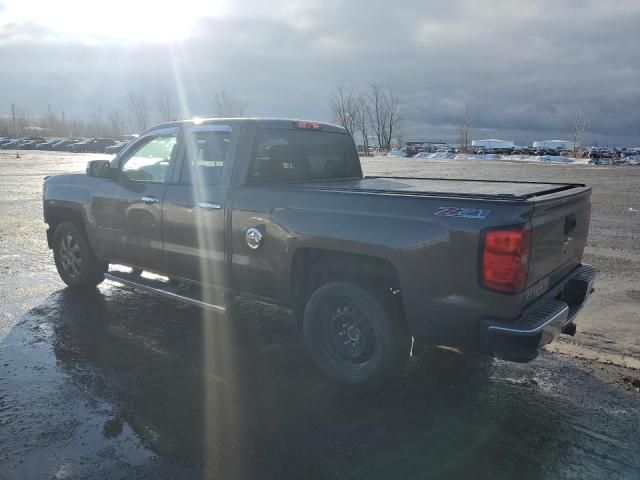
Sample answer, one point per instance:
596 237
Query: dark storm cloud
520 69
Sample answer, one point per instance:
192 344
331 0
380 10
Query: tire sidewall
89 274
392 343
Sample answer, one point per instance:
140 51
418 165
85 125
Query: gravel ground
120 384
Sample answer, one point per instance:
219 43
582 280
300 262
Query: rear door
128 210
194 204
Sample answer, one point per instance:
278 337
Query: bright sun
129 20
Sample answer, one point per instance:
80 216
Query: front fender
66 199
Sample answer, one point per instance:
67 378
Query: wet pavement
121 384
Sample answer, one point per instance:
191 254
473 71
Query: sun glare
132 20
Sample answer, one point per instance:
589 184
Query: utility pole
13 119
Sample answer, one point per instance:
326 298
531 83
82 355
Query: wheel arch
54 215
313 267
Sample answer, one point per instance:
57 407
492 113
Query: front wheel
351 337
76 263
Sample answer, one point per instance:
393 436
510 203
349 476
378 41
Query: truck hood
79 178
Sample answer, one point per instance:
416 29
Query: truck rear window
281 155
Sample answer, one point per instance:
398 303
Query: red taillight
307 125
505 259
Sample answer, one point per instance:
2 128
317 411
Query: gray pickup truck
280 210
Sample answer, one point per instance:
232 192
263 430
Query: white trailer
554 144
492 143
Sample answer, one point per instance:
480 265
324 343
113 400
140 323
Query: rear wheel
351 337
76 263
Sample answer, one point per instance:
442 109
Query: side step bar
187 295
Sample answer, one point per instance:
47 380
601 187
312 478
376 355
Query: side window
205 156
150 162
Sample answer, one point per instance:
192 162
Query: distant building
554 144
424 143
492 143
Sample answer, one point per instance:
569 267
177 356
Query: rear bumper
540 323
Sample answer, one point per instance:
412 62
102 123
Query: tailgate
560 227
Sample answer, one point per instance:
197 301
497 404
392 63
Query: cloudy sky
520 68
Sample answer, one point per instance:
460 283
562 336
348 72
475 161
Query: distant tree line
373 113
140 111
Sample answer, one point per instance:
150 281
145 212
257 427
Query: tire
352 338
77 265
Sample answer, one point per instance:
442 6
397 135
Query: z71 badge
475 213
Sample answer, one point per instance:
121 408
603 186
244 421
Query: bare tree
95 125
229 105
579 129
345 106
374 106
115 123
21 119
362 123
164 104
50 121
465 134
383 112
13 120
77 128
393 127
137 104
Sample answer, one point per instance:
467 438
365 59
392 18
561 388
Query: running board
162 288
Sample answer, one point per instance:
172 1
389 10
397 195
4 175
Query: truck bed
490 189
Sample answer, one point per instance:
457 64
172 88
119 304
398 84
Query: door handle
149 199
209 206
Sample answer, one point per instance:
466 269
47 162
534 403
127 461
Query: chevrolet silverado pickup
280 210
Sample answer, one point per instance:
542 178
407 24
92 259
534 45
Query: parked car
48 145
61 145
12 144
92 145
280 210
115 148
30 144
6 140
397 153
22 143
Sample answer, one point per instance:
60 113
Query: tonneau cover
441 186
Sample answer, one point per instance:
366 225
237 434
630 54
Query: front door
194 205
128 210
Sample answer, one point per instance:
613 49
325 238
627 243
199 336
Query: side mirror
100 169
